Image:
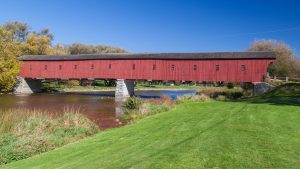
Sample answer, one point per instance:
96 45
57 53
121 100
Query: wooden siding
187 70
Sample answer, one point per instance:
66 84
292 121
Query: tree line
17 38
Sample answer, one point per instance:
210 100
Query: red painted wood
229 70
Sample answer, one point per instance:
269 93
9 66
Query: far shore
111 90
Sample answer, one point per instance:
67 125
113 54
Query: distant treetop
78 48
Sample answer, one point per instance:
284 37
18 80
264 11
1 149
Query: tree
33 43
285 63
19 30
58 49
78 48
37 45
9 65
46 32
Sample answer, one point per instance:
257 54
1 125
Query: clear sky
161 25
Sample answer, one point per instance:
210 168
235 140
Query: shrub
200 98
73 83
221 98
230 85
167 100
233 93
134 108
197 98
132 103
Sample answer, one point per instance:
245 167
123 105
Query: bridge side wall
251 70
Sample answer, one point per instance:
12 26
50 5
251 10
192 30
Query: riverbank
139 87
259 132
24 133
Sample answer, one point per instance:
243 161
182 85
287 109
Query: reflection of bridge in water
127 67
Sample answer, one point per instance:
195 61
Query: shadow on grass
288 94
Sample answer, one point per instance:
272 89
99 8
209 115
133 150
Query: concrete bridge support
124 89
25 85
261 88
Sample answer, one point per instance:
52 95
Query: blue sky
162 25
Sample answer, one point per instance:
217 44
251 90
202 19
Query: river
100 107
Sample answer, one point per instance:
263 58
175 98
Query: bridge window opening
217 67
109 66
243 68
154 67
133 67
195 67
30 67
45 67
60 67
92 66
173 67
75 66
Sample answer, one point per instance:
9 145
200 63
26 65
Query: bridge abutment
26 85
124 89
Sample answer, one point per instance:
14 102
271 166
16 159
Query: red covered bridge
208 67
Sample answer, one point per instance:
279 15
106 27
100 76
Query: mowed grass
255 133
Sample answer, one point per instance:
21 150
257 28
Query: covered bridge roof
160 56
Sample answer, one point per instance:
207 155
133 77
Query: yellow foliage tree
58 49
37 45
9 65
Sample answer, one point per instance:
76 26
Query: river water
100 107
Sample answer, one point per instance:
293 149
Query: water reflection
100 107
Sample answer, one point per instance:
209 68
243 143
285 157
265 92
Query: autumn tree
59 49
9 65
19 30
33 43
78 48
36 45
285 64
46 32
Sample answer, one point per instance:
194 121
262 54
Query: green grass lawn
261 132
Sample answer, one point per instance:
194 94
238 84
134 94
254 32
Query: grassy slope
264 134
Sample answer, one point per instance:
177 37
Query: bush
233 93
221 98
73 83
197 98
134 108
163 100
230 85
132 103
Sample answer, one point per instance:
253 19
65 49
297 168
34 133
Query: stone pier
26 85
261 88
124 89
